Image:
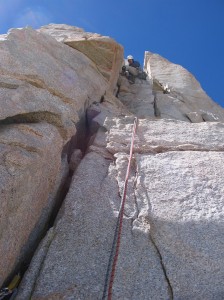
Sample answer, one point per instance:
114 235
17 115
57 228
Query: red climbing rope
117 236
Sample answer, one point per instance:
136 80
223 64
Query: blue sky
186 32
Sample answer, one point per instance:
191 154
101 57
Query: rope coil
117 234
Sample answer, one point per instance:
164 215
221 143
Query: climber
134 66
131 71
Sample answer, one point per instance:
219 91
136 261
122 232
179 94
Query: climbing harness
11 289
117 234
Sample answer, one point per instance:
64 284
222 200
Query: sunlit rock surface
185 93
45 89
102 50
73 108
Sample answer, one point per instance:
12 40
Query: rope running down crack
111 269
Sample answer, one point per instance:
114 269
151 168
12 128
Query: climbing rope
117 234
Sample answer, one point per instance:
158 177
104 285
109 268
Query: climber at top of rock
132 70
133 63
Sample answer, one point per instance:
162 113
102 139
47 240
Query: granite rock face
185 94
30 161
77 258
44 79
172 236
138 98
106 54
165 135
186 213
45 88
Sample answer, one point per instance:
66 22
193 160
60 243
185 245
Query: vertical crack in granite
49 238
134 193
170 289
30 278
156 109
144 218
